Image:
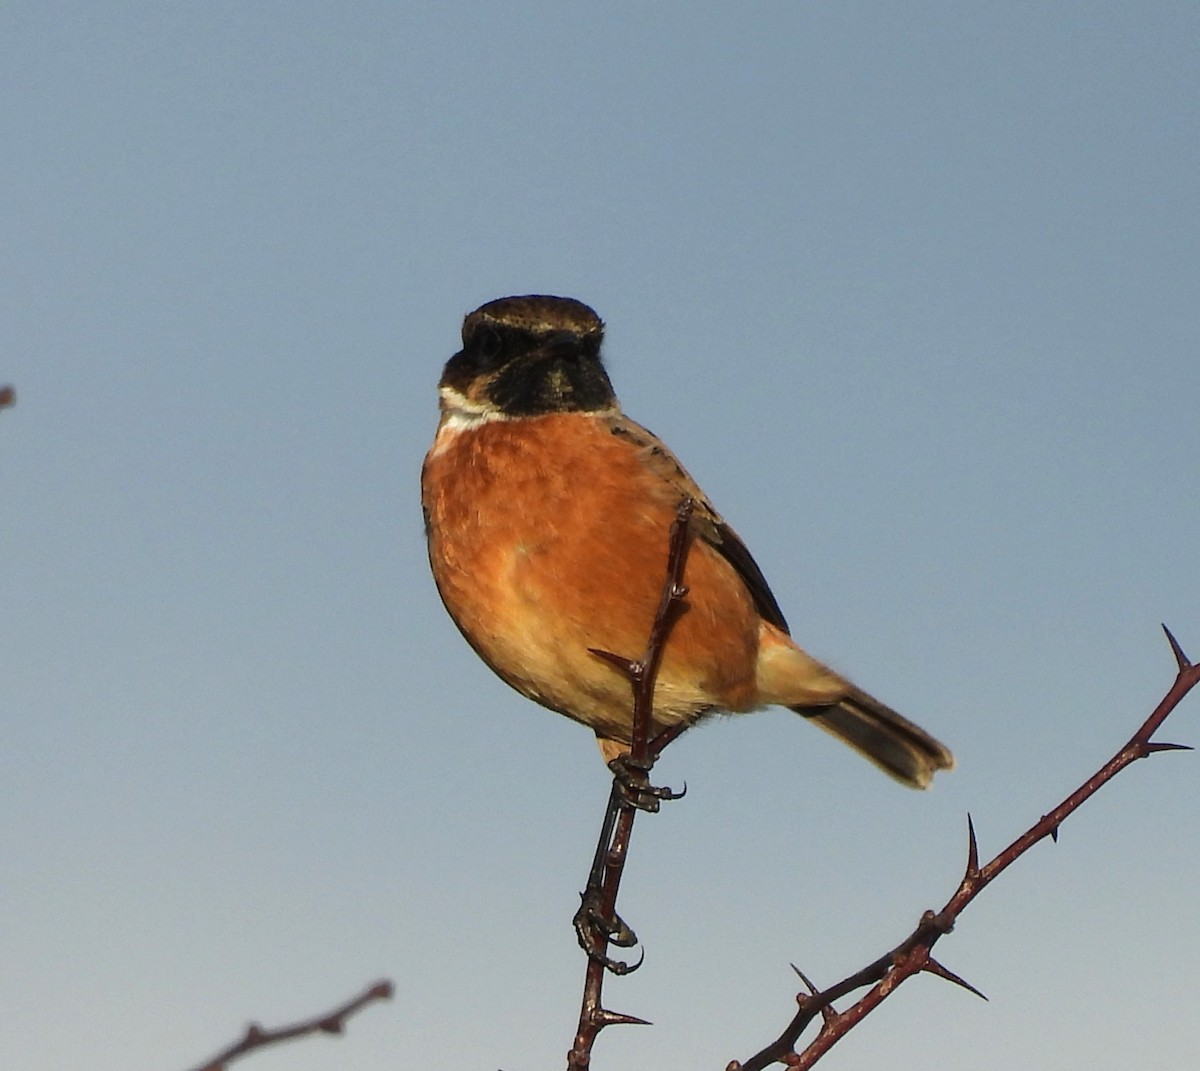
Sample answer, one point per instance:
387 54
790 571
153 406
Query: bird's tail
891 741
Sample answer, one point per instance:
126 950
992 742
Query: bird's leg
631 776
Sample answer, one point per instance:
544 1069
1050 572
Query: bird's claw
596 931
633 781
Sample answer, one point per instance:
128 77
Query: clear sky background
911 287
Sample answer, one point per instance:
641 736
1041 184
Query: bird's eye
489 344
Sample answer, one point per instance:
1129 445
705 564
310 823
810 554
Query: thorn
604 1017
972 849
1052 832
828 1014
629 668
1180 658
933 967
804 978
1151 748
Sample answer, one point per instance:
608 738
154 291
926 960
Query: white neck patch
459 413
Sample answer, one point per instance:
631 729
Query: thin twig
331 1022
609 863
912 955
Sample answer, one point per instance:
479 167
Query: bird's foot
597 930
632 777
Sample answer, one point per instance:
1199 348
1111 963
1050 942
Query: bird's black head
525 356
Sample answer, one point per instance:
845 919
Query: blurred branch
913 955
331 1022
8 396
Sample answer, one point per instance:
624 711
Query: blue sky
912 288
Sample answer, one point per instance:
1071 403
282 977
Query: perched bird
547 512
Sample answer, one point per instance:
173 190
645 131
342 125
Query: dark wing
707 523
734 551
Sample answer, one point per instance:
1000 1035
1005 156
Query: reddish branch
8 397
913 955
331 1022
609 864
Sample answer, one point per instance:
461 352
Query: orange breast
547 536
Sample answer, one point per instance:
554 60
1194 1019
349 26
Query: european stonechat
547 512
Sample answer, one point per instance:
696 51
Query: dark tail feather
892 742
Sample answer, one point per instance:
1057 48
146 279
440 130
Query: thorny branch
624 803
913 954
331 1022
